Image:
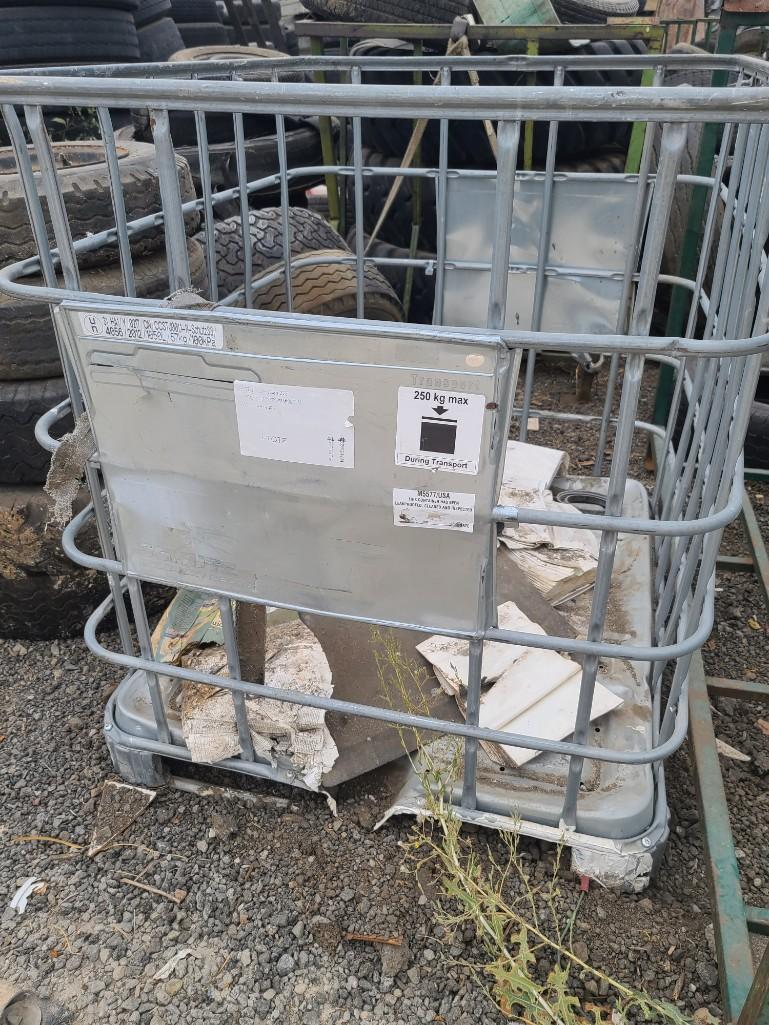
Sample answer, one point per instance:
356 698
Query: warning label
439 430
439 510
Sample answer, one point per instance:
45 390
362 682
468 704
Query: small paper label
439 430
296 425
438 510
195 333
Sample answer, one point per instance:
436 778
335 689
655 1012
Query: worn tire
207 33
594 12
22 403
329 290
28 347
66 34
419 11
42 594
757 438
84 183
152 10
308 231
159 40
185 11
422 285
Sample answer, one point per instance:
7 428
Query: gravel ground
269 891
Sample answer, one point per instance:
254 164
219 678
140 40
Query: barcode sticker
197 334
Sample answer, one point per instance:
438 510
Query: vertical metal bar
240 33
208 206
253 19
755 1010
440 208
508 134
327 143
118 200
532 50
245 223
233 665
280 124
170 197
145 647
671 147
357 150
273 25
472 714
544 247
54 198
31 197
104 534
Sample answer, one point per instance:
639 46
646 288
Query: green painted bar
735 961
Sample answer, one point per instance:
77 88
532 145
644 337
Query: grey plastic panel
190 510
591 225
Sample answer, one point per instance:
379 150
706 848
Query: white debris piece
532 467
534 691
279 730
560 561
24 892
171 963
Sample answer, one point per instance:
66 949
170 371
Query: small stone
269 995
173 986
347 894
118 972
581 951
285 965
202 846
646 905
326 933
413 976
758 881
394 959
245 958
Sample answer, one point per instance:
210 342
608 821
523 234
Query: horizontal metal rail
405 719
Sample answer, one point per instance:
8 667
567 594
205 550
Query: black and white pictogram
439 430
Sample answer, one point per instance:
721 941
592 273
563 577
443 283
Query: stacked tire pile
42 594
54 32
322 284
303 147
199 22
158 34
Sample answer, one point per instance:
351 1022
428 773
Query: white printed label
438 510
294 424
439 430
195 333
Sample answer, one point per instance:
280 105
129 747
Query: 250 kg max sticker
439 430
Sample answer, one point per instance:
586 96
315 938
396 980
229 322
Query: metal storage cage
526 261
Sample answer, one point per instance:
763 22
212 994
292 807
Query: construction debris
530 691
25 891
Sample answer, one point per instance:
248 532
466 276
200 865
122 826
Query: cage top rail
203 70
742 104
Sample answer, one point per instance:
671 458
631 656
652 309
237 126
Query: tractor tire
28 348
22 403
159 40
419 11
53 33
84 182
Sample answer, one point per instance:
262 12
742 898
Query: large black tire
420 11
159 40
28 347
757 438
303 149
329 290
152 10
422 299
117 5
64 34
594 12
84 183
203 34
22 403
185 11
468 145
42 594
307 230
